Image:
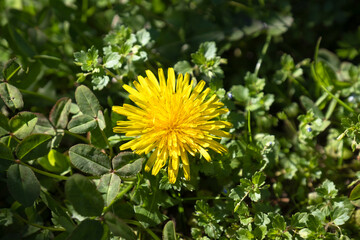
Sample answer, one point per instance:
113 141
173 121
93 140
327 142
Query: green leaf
11 96
6 157
22 124
10 69
355 193
118 227
23 184
127 164
33 146
111 59
278 222
4 125
60 112
82 124
87 101
43 125
99 82
6 217
89 159
340 215
55 161
57 212
143 37
240 93
169 232
258 179
82 194
97 138
87 60
109 186
327 189
87 229
149 217
183 67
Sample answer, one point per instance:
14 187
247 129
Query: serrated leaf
89 159
87 229
118 227
11 96
87 60
111 59
33 146
83 195
340 215
143 37
60 112
99 82
10 69
82 124
22 124
109 186
169 232
87 101
327 189
23 184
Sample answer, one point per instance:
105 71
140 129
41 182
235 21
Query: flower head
171 119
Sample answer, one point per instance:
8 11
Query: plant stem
120 194
263 52
45 173
77 136
241 200
60 229
151 233
107 142
37 95
249 126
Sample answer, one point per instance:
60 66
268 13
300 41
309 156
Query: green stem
120 194
263 52
45 173
242 199
107 142
249 126
60 229
37 95
84 139
151 233
337 99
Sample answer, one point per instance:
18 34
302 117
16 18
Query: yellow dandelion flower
173 119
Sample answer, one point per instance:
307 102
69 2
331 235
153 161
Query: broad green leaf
109 186
123 159
6 217
10 69
55 161
60 112
33 146
355 193
57 212
131 169
327 189
183 67
82 194
23 184
169 232
99 82
4 125
6 157
43 125
97 138
22 124
87 229
149 217
240 93
340 215
278 222
118 227
82 124
87 101
101 120
11 96
89 159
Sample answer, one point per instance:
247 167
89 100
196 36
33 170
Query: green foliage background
288 71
